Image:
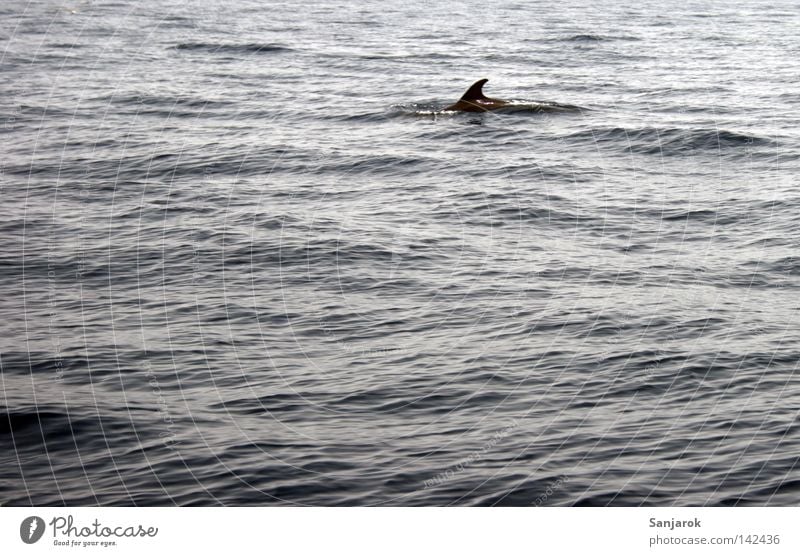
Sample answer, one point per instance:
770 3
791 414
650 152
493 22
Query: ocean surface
248 260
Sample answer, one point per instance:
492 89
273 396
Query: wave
591 37
671 141
246 48
165 101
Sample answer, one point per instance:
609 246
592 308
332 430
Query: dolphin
475 101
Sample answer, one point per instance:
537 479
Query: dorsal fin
476 91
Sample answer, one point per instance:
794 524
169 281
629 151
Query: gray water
247 260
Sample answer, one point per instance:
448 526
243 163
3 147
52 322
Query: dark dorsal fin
476 91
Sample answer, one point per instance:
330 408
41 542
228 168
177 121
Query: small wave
65 45
669 141
414 109
690 215
585 38
589 37
54 424
17 421
426 56
365 117
165 101
232 48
